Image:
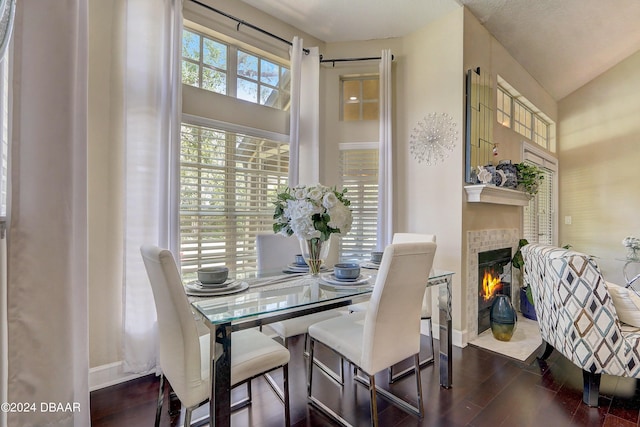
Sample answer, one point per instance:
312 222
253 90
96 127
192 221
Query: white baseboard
108 375
458 338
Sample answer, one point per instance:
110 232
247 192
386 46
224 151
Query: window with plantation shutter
359 175
228 181
540 218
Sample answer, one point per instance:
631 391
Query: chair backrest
392 322
413 238
177 330
276 251
575 311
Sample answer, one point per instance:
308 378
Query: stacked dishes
214 281
345 275
374 262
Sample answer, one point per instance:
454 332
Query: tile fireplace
479 241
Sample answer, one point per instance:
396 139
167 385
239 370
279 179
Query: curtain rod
369 58
246 24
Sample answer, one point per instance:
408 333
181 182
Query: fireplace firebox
494 277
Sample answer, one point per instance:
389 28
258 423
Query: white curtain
304 126
47 247
385 172
153 34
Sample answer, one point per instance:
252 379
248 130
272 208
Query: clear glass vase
314 252
633 254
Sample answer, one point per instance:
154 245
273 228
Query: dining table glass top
271 295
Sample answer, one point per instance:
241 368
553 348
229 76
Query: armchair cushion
627 304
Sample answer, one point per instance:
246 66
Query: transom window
504 107
516 112
228 181
360 98
521 119
223 68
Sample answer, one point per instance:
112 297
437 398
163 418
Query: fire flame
490 285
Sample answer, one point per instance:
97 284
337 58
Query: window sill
484 193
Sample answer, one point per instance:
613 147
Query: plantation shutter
539 225
228 183
359 176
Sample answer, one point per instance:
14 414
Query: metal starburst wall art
433 138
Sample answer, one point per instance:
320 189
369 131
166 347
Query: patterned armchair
576 316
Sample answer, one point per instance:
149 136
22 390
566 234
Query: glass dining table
273 298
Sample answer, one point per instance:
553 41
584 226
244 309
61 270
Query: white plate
295 268
370 265
224 284
194 289
330 278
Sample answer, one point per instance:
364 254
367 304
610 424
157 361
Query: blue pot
527 309
503 318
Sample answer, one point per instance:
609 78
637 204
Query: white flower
315 194
300 193
312 212
340 218
329 200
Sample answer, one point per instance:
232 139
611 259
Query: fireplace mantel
484 193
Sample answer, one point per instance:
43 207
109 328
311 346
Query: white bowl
213 275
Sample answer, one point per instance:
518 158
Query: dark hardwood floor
488 390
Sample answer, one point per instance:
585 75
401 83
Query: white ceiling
563 44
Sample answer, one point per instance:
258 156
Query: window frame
234 49
361 78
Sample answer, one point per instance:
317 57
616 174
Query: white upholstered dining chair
426 313
275 252
184 355
388 332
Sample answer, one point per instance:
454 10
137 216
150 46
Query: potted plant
526 298
529 178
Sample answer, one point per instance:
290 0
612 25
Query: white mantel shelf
484 193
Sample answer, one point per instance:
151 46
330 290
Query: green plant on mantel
529 178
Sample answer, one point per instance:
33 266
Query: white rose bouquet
313 212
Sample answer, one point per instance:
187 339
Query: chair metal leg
373 404
400 403
310 370
287 409
160 401
187 417
416 362
312 400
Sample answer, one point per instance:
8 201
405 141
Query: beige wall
482 50
599 146
429 198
